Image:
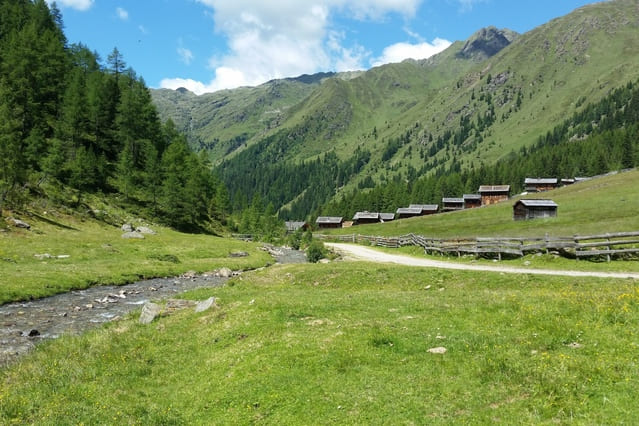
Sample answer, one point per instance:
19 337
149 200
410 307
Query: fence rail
604 245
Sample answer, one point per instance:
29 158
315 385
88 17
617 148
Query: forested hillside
69 119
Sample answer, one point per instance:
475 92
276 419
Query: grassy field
347 343
597 206
99 255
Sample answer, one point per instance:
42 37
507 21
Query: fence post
608 247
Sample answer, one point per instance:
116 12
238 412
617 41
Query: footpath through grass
347 343
97 254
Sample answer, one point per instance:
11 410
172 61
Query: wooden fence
605 245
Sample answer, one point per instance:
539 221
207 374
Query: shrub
315 251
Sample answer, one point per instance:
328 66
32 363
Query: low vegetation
349 344
63 252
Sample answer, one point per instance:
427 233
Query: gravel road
355 252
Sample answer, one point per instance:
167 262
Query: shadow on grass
53 222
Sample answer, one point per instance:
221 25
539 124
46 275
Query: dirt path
355 252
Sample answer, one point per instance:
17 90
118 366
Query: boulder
145 230
133 235
127 228
205 305
149 312
224 273
19 223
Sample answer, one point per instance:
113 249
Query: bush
315 251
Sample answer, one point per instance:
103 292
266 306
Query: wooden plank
583 253
607 243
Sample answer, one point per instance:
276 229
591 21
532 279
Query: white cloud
185 55
267 42
122 13
400 51
73 4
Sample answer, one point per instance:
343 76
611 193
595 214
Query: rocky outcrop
486 43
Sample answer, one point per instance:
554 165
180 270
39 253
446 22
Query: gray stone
133 235
127 227
19 224
205 305
238 254
438 350
149 312
145 230
224 273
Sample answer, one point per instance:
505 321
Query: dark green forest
71 119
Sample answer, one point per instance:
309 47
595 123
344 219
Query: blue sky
208 45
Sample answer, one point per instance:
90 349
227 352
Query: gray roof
329 219
537 203
409 210
494 188
294 225
452 200
472 197
366 215
541 181
424 207
387 216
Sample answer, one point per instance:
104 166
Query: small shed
493 194
426 209
329 222
362 218
293 226
472 201
406 212
540 184
452 204
386 217
534 209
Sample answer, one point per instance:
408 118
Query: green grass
607 204
99 255
348 343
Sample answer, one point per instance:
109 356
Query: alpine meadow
163 256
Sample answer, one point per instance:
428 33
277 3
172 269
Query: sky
210 45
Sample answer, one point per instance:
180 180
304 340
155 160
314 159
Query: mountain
478 101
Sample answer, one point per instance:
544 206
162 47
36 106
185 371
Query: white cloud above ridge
81 5
401 51
294 38
186 55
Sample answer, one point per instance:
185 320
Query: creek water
24 324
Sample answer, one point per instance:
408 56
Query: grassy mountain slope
462 105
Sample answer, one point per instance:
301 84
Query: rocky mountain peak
487 42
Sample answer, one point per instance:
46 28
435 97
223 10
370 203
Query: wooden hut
362 218
472 201
534 209
386 217
540 184
294 226
493 194
406 212
329 222
426 209
452 204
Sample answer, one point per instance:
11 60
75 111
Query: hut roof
328 219
425 207
366 215
494 188
540 181
537 203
